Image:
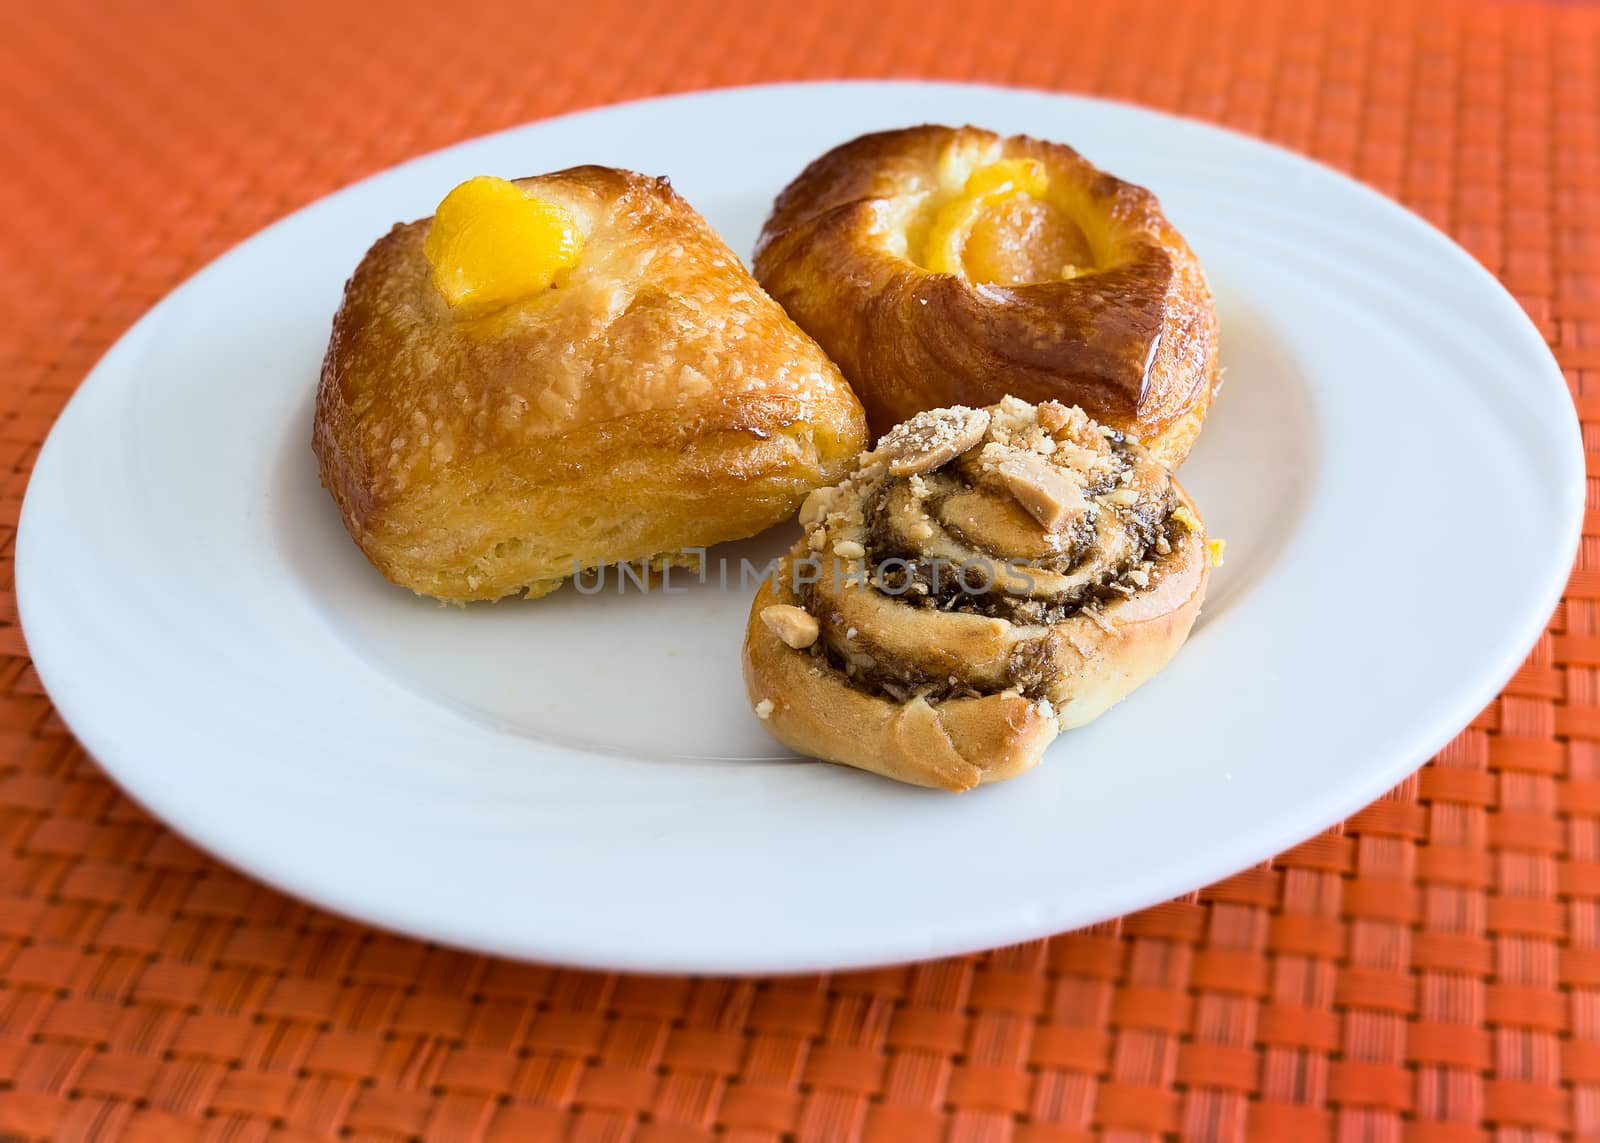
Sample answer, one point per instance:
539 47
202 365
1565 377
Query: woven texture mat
1429 971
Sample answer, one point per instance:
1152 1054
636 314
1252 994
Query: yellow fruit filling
1187 518
1214 548
989 186
492 243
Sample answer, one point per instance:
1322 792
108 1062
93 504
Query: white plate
1393 460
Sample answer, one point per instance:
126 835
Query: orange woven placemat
1431 970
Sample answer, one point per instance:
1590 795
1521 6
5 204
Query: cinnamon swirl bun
984 579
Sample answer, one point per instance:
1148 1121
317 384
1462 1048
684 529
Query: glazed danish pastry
563 372
942 266
985 578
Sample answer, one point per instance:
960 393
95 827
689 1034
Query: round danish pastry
941 266
985 578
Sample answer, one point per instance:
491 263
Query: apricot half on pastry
942 266
492 242
984 579
563 372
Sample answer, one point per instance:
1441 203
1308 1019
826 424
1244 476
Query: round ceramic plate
1393 460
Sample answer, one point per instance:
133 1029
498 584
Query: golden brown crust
654 400
955 690
1134 343
951 745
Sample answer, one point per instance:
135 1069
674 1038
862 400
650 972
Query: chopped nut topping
1047 493
1012 415
849 550
794 625
932 438
1053 416
817 506
764 709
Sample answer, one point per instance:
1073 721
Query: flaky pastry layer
653 399
1130 336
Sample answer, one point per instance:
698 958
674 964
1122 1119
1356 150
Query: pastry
985 578
942 266
565 372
